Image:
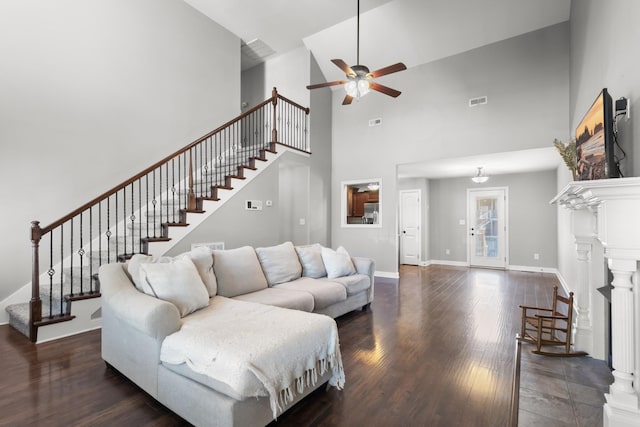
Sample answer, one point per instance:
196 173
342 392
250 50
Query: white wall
526 80
604 42
92 93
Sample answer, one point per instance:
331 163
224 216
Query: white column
621 409
583 332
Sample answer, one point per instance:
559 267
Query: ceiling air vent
474 102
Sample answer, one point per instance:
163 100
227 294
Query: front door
487 239
410 218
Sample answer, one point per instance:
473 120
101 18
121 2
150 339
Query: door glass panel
486 230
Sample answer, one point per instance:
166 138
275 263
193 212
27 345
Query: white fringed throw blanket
257 349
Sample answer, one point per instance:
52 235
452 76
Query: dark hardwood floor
436 349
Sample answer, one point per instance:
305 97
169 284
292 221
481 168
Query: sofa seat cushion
325 293
238 271
184 370
284 298
354 284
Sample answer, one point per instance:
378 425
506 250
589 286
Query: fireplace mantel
608 211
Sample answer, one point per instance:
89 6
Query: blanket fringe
309 379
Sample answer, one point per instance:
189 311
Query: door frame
400 221
506 222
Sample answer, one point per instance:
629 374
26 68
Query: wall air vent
474 102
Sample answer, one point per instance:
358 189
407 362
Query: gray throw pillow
280 263
311 260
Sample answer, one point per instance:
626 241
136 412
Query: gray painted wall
526 79
311 182
92 93
532 220
604 41
236 226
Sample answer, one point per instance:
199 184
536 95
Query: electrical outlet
447 252
536 256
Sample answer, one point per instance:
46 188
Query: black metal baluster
71 252
50 272
173 191
124 221
133 220
81 254
147 203
91 254
166 174
140 215
154 202
61 273
108 232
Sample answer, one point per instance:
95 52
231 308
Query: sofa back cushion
176 281
238 271
202 258
279 263
311 259
338 263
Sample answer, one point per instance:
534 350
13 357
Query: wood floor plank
436 349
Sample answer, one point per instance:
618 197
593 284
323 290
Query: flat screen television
595 141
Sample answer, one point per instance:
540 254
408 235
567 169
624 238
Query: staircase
144 214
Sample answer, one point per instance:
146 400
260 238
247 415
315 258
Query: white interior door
487 240
410 222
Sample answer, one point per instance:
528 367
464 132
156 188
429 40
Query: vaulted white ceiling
410 31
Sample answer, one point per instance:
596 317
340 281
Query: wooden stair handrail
37 232
105 195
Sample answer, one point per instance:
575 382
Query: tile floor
560 392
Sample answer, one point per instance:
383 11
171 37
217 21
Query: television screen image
594 141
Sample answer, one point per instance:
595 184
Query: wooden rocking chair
549 326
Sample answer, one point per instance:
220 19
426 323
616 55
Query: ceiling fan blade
347 100
319 85
384 89
344 67
387 70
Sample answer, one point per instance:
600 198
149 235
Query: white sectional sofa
235 337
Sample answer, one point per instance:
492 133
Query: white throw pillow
176 281
311 260
279 263
202 258
238 271
133 267
338 263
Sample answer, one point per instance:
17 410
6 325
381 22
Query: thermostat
253 205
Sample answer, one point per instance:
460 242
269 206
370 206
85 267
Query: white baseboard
532 269
451 263
387 274
425 263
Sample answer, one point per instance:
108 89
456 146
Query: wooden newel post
274 101
35 305
192 195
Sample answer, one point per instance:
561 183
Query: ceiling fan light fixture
480 177
357 87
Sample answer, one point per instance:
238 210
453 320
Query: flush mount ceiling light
480 176
359 80
373 186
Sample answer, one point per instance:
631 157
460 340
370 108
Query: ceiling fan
359 78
